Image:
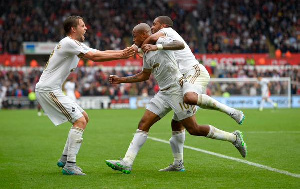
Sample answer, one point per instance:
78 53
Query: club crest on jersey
155 65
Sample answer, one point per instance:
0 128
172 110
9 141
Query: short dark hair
165 20
71 21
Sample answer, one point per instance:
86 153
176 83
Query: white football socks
137 142
75 140
206 102
218 134
262 103
177 143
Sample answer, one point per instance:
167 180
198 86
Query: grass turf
31 145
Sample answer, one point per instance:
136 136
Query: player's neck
72 37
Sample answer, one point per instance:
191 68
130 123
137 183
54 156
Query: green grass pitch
30 147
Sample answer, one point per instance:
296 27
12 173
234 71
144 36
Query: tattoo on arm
174 45
131 79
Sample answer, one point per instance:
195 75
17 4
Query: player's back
62 61
185 58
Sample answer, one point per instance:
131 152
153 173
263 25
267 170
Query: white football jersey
185 58
163 65
264 85
70 89
62 61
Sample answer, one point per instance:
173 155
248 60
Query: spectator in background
227 26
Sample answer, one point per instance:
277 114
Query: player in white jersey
265 93
69 87
59 107
194 89
163 65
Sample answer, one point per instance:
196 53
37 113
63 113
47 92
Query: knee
86 117
190 98
81 123
142 125
176 126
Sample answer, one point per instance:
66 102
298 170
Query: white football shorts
265 94
59 107
196 80
162 103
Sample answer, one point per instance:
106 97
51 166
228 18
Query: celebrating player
59 107
163 65
194 89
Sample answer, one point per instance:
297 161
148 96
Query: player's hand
148 47
113 79
136 49
128 52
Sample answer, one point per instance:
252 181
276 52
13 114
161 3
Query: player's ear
73 29
165 26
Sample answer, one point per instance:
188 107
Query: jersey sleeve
76 48
147 62
164 31
164 40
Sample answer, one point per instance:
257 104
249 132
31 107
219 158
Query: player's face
80 30
156 26
138 38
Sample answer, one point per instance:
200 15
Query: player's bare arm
101 56
153 38
141 76
174 45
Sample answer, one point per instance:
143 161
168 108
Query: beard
81 39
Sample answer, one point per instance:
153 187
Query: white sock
65 151
262 104
218 134
177 142
206 102
137 142
271 101
75 140
64 155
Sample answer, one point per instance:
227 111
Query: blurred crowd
219 26
93 81
253 88
249 26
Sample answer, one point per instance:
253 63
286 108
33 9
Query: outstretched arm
101 56
141 76
174 45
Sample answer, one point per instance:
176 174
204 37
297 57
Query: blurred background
236 40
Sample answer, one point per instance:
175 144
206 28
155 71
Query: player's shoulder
164 40
69 41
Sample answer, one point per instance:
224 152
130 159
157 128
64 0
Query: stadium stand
213 26
208 26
